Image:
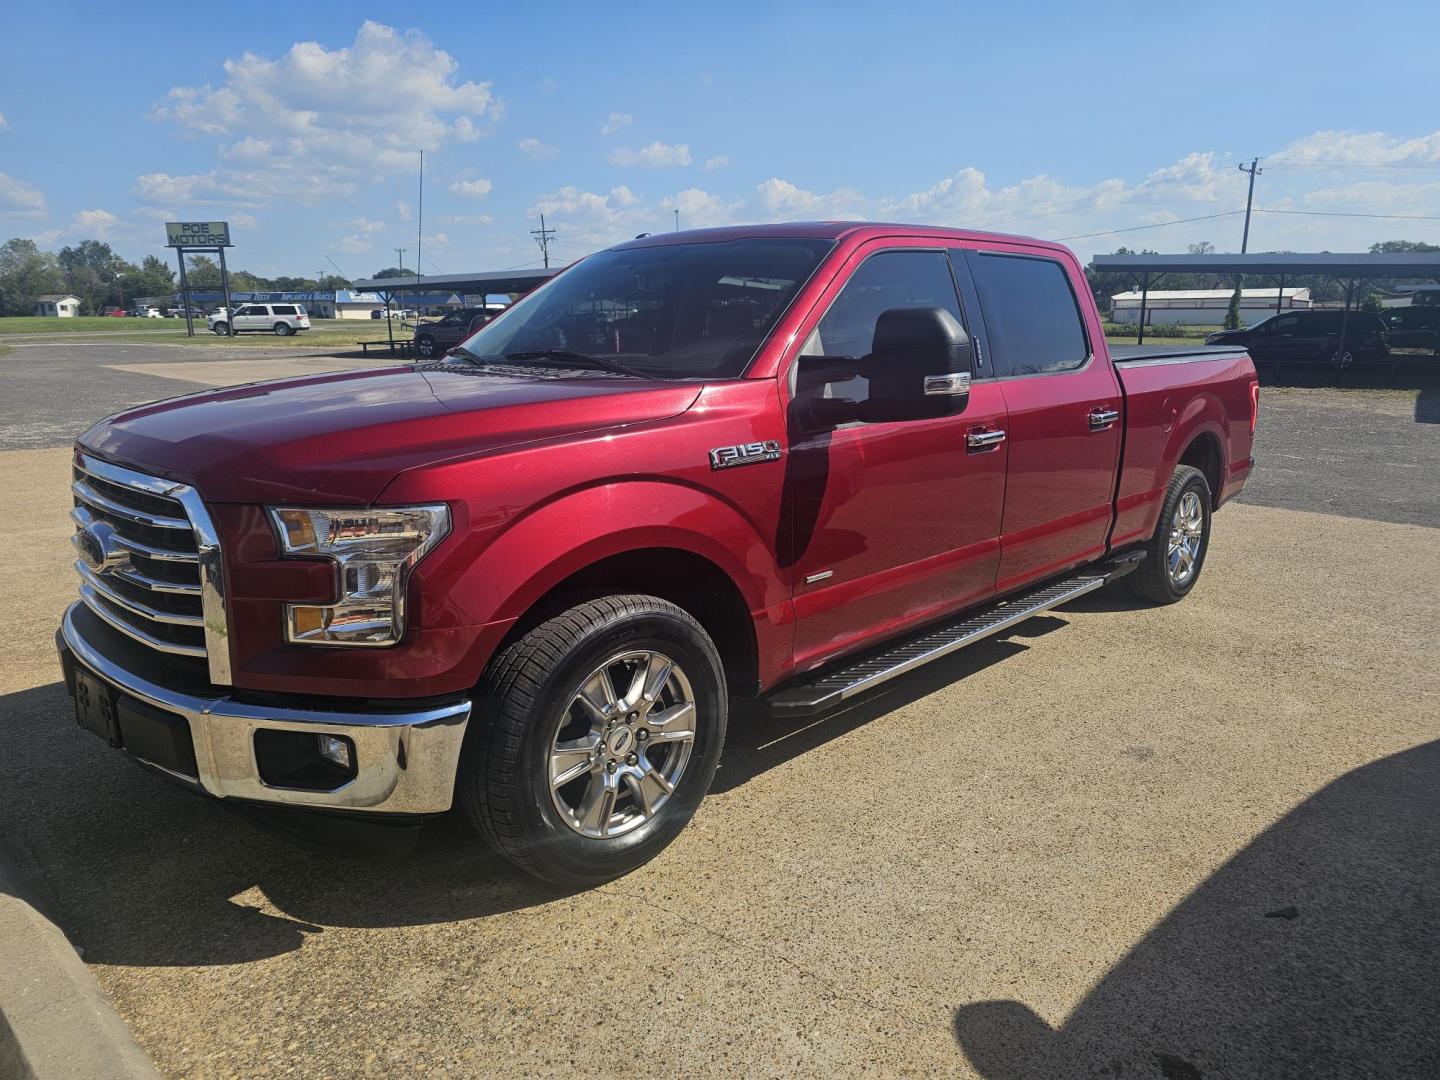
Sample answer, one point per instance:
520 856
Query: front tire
221 329
1176 553
425 345
602 730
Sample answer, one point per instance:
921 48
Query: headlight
374 552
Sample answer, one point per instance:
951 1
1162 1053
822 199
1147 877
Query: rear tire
221 329
282 329
1176 553
595 737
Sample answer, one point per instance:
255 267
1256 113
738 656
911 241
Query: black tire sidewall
425 345
556 844
1194 482
282 329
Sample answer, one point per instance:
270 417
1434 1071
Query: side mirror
919 366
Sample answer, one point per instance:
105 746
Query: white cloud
4 124
438 240
313 121
657 155
20 200
403 209
368 225
467 219
535 149
354 244
473 189
615 122
94 223
1327 148
719 161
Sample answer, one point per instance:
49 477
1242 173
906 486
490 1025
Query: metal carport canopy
1356 265
494 281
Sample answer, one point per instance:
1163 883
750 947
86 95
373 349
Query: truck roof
825 230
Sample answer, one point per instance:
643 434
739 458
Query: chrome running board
834 686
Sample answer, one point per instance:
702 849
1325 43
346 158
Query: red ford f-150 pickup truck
792 461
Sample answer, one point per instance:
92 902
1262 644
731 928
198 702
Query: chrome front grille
150 561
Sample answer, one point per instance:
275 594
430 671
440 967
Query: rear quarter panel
1168 405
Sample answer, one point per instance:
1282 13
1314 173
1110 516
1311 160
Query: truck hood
342 438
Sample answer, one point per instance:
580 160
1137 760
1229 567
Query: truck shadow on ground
141 872
1313 952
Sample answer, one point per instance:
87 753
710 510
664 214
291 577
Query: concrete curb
54 1022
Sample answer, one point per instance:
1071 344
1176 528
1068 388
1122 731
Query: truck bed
1131 355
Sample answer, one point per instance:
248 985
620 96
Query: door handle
984 440
1102 417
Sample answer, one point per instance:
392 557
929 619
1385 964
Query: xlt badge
750 453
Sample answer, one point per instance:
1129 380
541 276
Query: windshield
679 311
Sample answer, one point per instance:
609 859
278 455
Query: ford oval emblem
96 547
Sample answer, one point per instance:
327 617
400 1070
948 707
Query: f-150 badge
750 453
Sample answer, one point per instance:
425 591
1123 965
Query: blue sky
301 123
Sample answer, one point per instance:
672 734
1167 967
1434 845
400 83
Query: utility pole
1249 198
543 236
420 218
400 254
677 219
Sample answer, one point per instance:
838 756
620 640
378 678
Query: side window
1288 326
283 309
1031 313
891 279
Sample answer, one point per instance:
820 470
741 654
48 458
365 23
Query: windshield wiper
604 363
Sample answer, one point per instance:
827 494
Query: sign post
189 237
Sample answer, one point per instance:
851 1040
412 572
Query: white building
58 305
1203 307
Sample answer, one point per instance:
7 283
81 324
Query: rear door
1064 405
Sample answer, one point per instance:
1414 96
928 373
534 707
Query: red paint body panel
544 477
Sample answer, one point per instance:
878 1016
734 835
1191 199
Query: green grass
40 324
335 334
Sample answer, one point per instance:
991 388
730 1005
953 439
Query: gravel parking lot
1195 841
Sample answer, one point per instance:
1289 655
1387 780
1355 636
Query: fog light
337 749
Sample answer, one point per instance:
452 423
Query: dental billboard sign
197 234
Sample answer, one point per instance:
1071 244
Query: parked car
114 312
783 461
1413 329
145 313
280 319
179 313
1311 337
435 338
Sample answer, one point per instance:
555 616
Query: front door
889 524
1065 413
252 317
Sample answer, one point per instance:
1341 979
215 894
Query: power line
1158 225
1342 213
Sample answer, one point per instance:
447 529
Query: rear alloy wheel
282 329
1175 554
1341 359
594 738
425 345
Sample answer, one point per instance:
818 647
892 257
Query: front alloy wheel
594 737
622 746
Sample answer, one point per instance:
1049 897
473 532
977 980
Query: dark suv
1414 329
1311 337
435 338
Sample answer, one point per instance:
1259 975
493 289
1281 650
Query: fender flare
527 560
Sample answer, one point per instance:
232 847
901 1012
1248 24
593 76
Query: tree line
102 279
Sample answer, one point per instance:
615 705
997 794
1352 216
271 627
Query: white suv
280 319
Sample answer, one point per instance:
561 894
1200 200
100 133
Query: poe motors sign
197 234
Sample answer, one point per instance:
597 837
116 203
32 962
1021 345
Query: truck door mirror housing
919 366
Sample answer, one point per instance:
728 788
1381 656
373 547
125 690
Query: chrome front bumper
405 761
